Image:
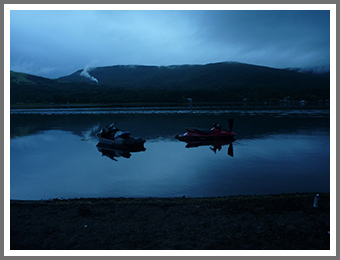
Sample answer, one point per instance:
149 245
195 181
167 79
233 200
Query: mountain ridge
131 73
223 81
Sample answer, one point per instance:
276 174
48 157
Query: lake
54 153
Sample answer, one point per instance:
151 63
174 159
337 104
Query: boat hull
189 136
122 143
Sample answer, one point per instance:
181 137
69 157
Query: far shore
236 105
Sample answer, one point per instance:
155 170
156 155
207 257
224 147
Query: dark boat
112 152
215 133
111 135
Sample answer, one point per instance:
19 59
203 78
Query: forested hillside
216 82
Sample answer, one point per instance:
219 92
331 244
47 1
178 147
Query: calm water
54 153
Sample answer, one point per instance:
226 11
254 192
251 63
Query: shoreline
186 199
254 222
240 105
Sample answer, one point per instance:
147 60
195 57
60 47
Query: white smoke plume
85 73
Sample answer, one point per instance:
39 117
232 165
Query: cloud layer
57 43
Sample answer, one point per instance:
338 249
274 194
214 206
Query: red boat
215 133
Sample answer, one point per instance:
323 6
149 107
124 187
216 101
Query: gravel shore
268 222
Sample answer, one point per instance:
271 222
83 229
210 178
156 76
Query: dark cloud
57 43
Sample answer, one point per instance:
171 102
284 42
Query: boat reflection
216 145
112 151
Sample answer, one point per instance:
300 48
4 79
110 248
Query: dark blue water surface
54 153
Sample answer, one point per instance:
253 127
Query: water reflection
150 126
215 145
112 152
54 156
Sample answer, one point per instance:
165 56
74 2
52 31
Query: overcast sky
57 43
